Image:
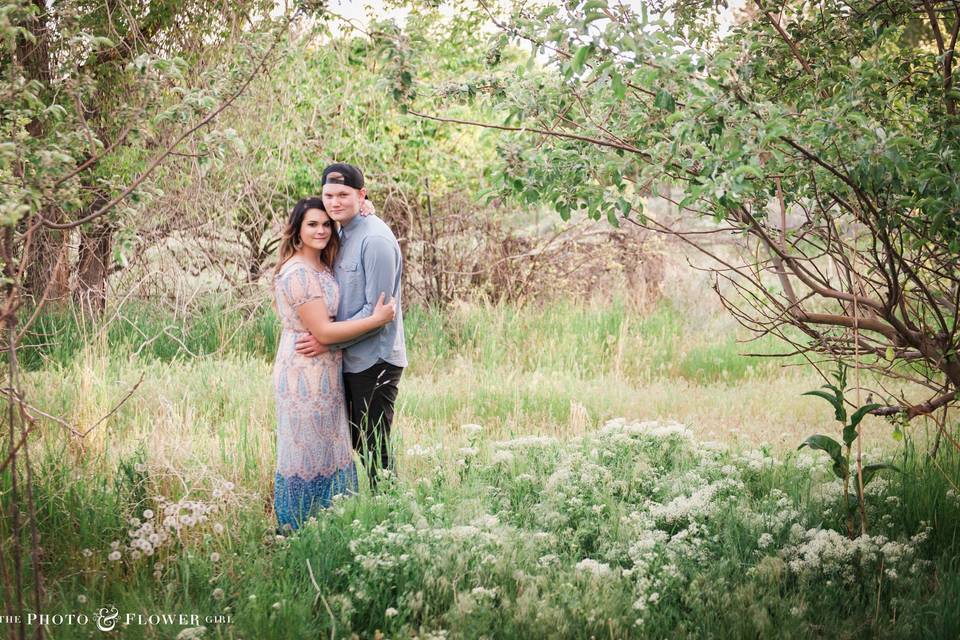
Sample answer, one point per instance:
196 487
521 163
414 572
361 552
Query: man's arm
379 257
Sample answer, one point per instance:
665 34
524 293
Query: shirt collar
350 226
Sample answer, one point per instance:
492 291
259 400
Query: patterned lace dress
314 451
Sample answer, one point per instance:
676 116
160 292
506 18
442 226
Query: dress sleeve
300 285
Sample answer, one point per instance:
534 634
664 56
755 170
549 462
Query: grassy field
631 476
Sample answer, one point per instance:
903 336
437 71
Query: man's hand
308 346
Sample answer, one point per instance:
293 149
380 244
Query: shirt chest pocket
350 272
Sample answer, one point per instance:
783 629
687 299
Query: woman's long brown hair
290 239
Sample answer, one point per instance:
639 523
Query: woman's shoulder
299 274
291 267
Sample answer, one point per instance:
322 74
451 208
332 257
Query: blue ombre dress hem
295 499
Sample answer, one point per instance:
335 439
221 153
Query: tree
841 115
88 62
64 165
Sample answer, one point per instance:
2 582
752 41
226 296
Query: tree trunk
34 56
49 270
49 266
93 266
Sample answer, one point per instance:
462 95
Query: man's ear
363 194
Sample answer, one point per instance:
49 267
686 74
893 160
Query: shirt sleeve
300 285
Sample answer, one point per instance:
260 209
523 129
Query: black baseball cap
348 175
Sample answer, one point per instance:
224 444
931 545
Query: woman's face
316 229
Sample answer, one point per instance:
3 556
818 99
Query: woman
314 453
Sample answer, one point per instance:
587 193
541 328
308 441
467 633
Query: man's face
342 202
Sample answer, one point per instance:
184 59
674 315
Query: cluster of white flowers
649 428
524 442
666 499
482 592
756 460
170 522
192 633
821 552
185 514
699 504
805 460
420 451
598 569
471 429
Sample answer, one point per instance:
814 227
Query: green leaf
612 217
665 101
619 88
849 434
579 58
861 412
839 412
840 467
870 470
832 448
593 5
548 12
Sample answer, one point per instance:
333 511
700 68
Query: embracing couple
341 351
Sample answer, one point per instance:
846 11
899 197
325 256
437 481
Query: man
368 263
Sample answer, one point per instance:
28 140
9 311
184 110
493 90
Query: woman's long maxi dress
314 451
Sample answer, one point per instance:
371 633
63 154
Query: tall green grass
203 416
585 340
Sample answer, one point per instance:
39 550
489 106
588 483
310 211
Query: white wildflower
483 592
524 442
598 569
419 451
191 633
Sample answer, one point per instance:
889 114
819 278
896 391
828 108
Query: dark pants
370 397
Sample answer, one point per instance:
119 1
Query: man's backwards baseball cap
342 173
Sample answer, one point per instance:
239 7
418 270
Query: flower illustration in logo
107 618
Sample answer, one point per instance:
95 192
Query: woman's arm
316 319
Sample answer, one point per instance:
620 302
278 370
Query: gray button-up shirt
369 263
